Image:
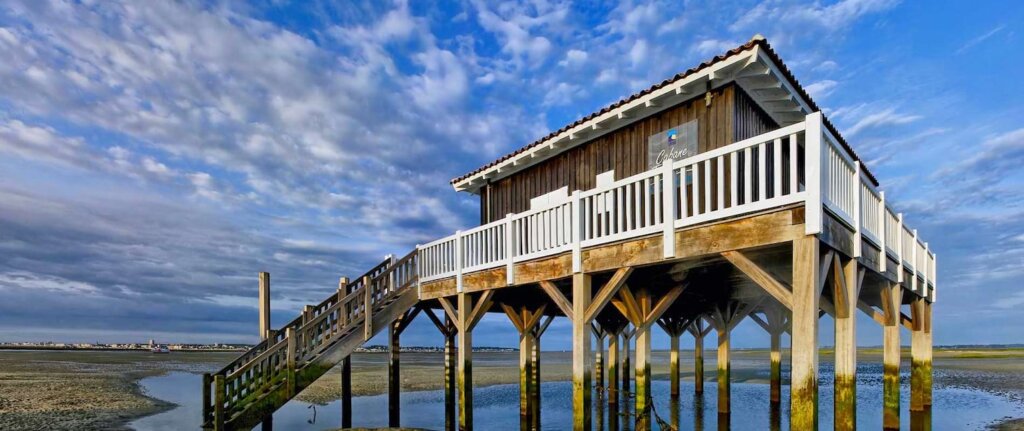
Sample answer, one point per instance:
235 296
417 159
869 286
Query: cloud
710 47
978 40
883 118
573 58
821 89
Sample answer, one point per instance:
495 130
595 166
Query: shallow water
497 407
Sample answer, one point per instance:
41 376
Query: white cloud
883 118
821 89
978 40
573 58
711 47
32 281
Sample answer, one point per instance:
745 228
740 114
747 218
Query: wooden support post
626 368
367 308
844 294
394 375
346 392
920 357
804 374
525 380
775 398
613 380
465 353
929 343
891 358
642 369
290 361
673 364
535 383
581 388
599 362
449 374
724 371
207 397
264 305
698 356
220 393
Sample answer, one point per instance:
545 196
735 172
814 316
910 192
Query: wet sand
99 390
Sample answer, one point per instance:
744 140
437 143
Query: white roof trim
736 68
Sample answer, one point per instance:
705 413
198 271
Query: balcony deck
758 192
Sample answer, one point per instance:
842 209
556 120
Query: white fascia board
608 122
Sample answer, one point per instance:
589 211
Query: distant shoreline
113 349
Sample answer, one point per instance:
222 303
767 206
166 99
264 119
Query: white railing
753 175
871 213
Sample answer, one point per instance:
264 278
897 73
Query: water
497 407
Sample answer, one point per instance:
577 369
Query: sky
154 156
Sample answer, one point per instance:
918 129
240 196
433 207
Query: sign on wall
676 143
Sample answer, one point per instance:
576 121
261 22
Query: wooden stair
270 374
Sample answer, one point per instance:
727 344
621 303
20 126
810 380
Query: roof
757 41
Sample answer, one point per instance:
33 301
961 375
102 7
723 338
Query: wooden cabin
720 194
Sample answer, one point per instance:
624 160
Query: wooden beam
826 263
760 277
760 322
557 297
533 318
514 317
664 303
581 385
607 292
804 344
840 295
451 311
742 312
437 322
871 312
636 315
482 305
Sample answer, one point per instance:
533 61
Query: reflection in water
497 407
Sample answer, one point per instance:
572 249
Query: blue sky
154 156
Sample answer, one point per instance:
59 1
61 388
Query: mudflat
99 390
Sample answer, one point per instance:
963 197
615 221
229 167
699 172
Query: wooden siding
731 116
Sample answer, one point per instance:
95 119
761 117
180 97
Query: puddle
497 407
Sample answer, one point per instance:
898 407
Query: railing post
935 285
927 268
367 307
289 335
883 217
458 261
813 177
510 250
668 210
305 338
577 232
899 248
914 262
416 272
858 209
218 407
342 312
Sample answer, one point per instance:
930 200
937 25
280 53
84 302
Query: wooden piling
891 358
535 383
449 375
207 397
264 304
346 392
465 359
220 393
642 369
613 381
929 344
804 358
394 375
581 387
599 362
844 294
775 374
626 367
291 361
698 356
673 364
525 380
724 370
920 362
